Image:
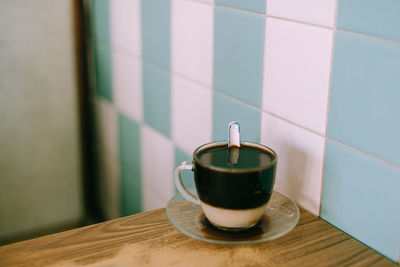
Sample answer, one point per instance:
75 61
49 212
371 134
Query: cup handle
185 165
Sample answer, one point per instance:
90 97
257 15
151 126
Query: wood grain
148 239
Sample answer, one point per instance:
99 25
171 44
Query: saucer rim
230 242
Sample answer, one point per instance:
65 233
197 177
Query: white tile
297 62
157 155
321 12
109 186
205 1
191 114
107 158
125 25
106 120
127 85
151 199
192 39
300 160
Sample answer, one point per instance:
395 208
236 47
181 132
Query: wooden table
148 239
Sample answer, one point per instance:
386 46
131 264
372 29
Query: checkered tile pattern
308 78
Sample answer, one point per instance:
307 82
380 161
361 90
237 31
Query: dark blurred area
47 181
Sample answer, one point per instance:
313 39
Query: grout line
294 123
241 10
335 16
387 163
190 79
100 98
269 113
123 51
176 145
263 78
261 14
142 123
222 93
237 100
176 73
301 22
139 58
101 44
154 65
226 7
233 98
328 100
199 1
376 38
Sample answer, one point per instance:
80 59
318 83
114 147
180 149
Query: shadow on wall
297 159
294 176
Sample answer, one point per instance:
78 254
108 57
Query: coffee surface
249 157
219 185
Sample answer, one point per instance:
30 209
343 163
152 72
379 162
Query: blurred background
100 99
43 157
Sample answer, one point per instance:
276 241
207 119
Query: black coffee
247 184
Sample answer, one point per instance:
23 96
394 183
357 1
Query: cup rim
224 142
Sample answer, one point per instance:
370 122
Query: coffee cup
232 196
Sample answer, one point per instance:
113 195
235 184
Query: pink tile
300 160
127 85
192 40
297 63
125 25
321 12
157 155
191 114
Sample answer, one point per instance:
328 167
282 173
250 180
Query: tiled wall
318 81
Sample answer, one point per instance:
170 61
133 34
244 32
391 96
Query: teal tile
226 109
378 18
238 54
130 171
251 5
187 176
130 192
129 140
100 15
101 20
361 197
103 67
156 31
157 98
364 108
